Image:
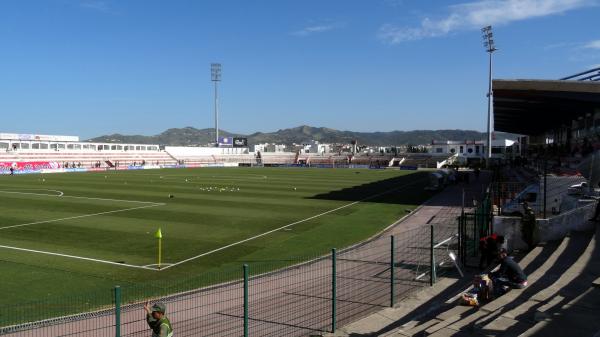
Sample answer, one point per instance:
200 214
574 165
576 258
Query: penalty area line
62 195
289 225
81 216
77 257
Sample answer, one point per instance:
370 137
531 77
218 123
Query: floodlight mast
215 76
490 48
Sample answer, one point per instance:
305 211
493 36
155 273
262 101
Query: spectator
158 322
510 273
597 213
489 246
529 224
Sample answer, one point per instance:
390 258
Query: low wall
553 228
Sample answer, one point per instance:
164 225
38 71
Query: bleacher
89 158
372 159
323 159
562 298
278 158
420 160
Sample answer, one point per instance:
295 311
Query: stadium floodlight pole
215 72
490 48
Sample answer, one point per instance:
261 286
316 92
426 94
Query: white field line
152 204
86 198
81 216
288 225
76 257
60 193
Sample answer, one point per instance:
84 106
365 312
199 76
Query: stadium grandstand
27 153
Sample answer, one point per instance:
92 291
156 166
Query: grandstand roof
531 107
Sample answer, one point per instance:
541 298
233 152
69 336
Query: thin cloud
316 29
592 45
95 5
474 15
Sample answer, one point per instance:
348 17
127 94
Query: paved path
297 301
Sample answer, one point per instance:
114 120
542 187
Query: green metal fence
472 226
291 297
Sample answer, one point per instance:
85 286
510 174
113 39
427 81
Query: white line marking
81 216
87 198
76 257
156 264
60 193
288 225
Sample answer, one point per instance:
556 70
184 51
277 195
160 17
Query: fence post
431 259
475 238
460 244
545 185
245 300
333 291
392 270
117 311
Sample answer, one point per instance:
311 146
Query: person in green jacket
158 322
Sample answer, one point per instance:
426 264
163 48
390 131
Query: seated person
510 273
489 247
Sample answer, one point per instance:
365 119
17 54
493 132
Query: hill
192 136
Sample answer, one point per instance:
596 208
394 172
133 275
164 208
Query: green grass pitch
100 226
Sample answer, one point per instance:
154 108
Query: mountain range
189 136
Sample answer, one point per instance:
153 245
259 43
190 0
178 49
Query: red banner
30 166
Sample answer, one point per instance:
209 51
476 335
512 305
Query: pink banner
19 166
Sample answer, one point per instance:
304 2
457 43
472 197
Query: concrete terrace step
452 313
573 308
462 317
490 312
517 311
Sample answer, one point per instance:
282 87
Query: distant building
313 146
267 147
475 150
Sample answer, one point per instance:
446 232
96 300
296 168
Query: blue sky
92 67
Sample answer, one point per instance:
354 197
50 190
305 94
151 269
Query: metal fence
473 225
547 194
259 298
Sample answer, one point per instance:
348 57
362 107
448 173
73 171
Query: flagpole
158 235
159 251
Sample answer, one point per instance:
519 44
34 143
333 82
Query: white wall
186 151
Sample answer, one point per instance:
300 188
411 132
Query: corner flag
158 234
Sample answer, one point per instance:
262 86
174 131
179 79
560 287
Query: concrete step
570 306
457 316
541 258
564 272
577 318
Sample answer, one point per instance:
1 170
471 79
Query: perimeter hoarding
28 167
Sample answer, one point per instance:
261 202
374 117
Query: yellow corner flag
158 235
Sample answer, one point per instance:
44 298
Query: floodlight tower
490 48
215 72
